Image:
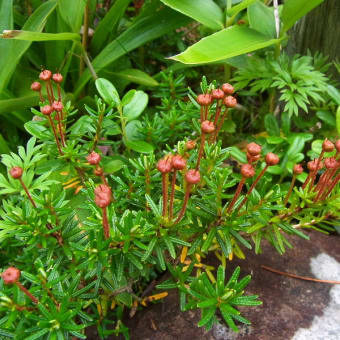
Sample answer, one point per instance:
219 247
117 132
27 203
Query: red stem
237 194
306 181
106 224
316 170
59 92
51 90
220 125
30 295
60 129
253 186
336 179
42 99
165 183
290 189
27 193
55 134
200 153
185 202
202 115
172 195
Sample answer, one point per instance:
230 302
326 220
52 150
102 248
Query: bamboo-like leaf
142 31
136 76
261 18
16 49
72 12
204 11
293 10
10 105
38 36
108 24
224 44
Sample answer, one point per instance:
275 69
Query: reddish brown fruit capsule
218 94
227 88
230 101
252 159
247 170
204 99
253 149
330 163
207 127
327 146
98 171
337 145
190 144
297 169
193 176
57 106
36 86
311 165
45 75
103 196
16 172
93 158
272 159
11 275
57 78
164 166
178 162
46 110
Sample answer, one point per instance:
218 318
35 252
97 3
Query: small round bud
331 163
247 170
93 158
337 145
178 162
193 176
204 99
227 88
253 149
272 159
16 172
252 159
11 275
46 110
327 146
190 144
45 75
57 78
36 86
164 166
57 106
297 169
218 94
311 165
230 101
98 171
207 127
103 196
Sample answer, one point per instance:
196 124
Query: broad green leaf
17 48
239 7
204 11
326 117
271 125
108 24
261 18
293 10
136 106
128 97
133 130
224 44
136 76
139 146
107 91
3 145
37 36
72 12
141 31
334 93
338 119
112 165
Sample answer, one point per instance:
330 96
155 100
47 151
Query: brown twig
298 276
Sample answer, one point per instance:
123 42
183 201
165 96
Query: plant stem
106 224
253 186
313 175
219 127
23 289
200 152
335 181
172 195
27 193
185 202
60 129
237 194
290 189
98 130
306 181
165 184
55 134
